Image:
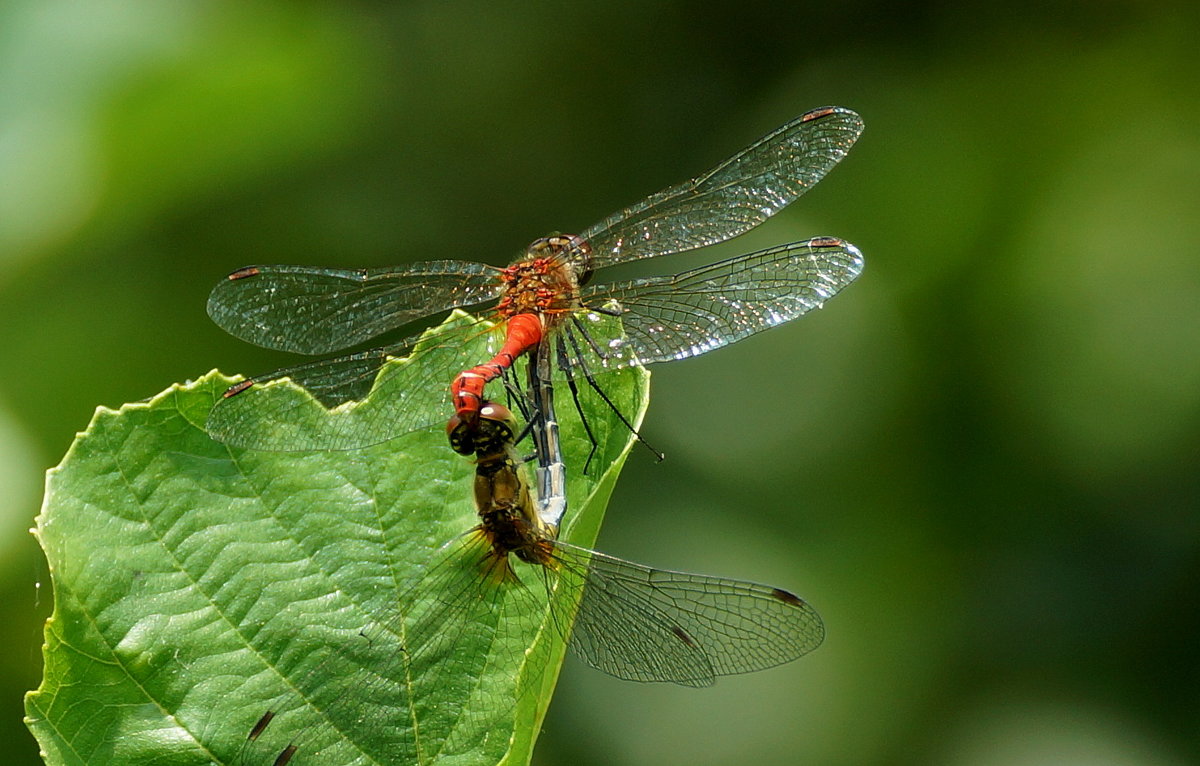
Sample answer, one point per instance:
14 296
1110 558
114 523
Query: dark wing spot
262 724
826 242
286 756
683 636
817 114
787 598
237 388
249 271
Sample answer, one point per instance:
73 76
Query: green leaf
197 586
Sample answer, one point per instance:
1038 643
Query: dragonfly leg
565 363
581 361
603 353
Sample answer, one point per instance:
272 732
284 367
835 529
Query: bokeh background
979 463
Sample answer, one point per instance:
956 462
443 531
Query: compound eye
496 430
462 437
496 427
498 414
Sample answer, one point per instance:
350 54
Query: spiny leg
581 360
565 364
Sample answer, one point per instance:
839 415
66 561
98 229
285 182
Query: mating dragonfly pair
626 619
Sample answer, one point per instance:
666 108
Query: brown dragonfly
424 696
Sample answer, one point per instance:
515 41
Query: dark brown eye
498 413
462 438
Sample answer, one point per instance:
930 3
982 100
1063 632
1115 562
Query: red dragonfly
540 299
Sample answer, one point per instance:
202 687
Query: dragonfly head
490 435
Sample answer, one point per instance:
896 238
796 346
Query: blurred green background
979 463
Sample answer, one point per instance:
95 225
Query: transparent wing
732 198
644 624
316 311
436 681
687 314
352 401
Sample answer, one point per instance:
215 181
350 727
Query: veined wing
678 316
352 401
435 682
310 310
644 624
735 196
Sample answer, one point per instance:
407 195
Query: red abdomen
523 332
